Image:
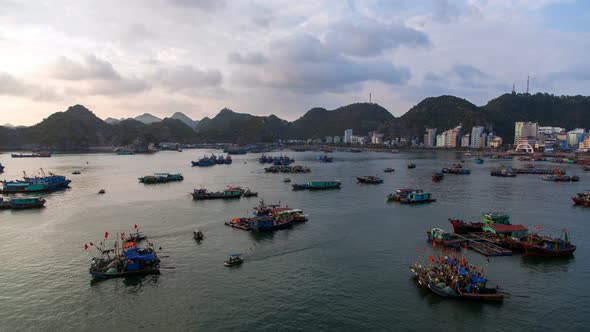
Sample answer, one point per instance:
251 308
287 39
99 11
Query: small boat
582 199
587 168
125 153
389 170
467 154
31 155
249 193
417 198
198 235
76 172
401 193
437 177
410 166
324 159
504 173
443 237
456 170
478 161
461 227
234 259
369 179
161 178
1 168
286 180
561 178
102 191
133 261
317 185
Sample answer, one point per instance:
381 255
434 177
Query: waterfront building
348 136
329 140
451 137
476 133
376 138
525 131
585 144
440 140
336 139
466 141
496 142
430 137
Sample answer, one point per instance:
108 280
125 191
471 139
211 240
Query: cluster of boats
531 169
497 229
582 199
451 277
277 161
160 178
228 193
504 173
125 258
31 155
287 169
561 178
212 160
269 218
410 196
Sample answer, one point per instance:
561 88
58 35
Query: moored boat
462 227
369 179
22 203
133 261
35 184
437 177
582 199
198 235
456 170
389 170
401 193
550 247
31 155
410 196
443 237
504 172
317 185
1 168
411 166
161 178
234 259
229 193
478 161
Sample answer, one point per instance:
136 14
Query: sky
124 58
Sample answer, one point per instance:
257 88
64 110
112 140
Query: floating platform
243 226
478 243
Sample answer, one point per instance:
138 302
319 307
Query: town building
466 141
430 137
496 142
336 139
348 136
376 138
525 131
329 140
476 133
585 144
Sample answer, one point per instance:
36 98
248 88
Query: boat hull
103 275
533 250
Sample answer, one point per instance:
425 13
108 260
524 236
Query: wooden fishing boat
461 227
229 193
389 170
411 166
437 177
550 247
582 199
317 185
22 203
234 259
443 237
417 198
133 261
160 178
369 179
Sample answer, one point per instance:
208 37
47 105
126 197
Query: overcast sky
125 58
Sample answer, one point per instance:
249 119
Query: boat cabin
514 231
496 218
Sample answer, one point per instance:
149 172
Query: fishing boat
1 168
276 210
133 261
287 169
125 153
417 198
287 180
35 184
550 247
478 161
229 193
198 235
161 178
437 177
204 162
317 185
587 168
456 170
102 191
136 237
462 227
401 193
504 173
443 237
539 171
31 155
76 172
582 199
234 259
22 203
270 223
410 166
560 178
389 170
369 179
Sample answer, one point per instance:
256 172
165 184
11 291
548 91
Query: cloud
204 5
118 87
467 72
11 86
254 58
91 68
445 11
187 78
365 37
304 64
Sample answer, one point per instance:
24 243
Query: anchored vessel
317 185
161 178
443 237
228 193
132 261
21 203
35 184
31 155
582 199
369 179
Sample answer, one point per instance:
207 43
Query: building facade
476 141
430 137
525 131
348 136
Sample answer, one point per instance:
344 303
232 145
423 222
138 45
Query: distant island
79 129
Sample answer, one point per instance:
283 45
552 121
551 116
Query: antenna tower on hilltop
527 84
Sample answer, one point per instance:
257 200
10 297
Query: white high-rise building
476 133
525 132
348 136
430 137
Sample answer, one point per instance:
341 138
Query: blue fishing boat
269 223
35 184
478 161
324 159
134 261
417 197
204 162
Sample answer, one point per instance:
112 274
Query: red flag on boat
433 244
85 246
92 244
135 226
538 227
431 259
106 235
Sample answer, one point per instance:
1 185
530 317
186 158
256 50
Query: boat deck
478 243
243 226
